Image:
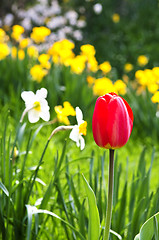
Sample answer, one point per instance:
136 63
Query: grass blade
94 223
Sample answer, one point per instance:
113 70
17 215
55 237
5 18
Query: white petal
45 115
42 93
27 96
74 134
44 105
79 115
33 116
82 142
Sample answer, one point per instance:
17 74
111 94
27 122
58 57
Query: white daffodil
79 129
36 105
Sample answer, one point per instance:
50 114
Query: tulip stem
110 195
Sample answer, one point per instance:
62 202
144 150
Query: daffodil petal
79 115
33 116
42 93
27 95
74 134
82 143
45 115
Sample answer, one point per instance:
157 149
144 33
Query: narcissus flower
155 97
79 130
36 105
105 67
142 60
128 67
64 112
4 50
32 51
39 34
112 121
38 73
17 32
116 17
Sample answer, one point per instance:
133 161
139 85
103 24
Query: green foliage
149 229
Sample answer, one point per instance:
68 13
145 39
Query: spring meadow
79 117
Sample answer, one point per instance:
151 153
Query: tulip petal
112 121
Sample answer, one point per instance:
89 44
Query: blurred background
120 30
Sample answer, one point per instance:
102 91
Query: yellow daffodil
64 112
38 73
105 67
14 52
24 42
61 52
4 50
116 17
21 54
39 34
90 80
17 32
78 64
153 87
92 64
142 60
32 51
44 60
88 50
102 86
3 36
128 67
155 97
120 87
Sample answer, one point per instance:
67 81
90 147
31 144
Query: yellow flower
38 73
14 52
116 17
102 86
61 52
88 50
64 112
120 87
21 54
44 60
78 64
128 67
155 71
90 80
17 32
4 50
39 34
152 87
92 64
24 43
142 60
3 36
32 51
105 67
155 97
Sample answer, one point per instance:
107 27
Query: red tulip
112 121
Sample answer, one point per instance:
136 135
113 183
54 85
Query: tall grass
31 209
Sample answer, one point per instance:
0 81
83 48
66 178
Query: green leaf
148 229
32 210
94 223
4 189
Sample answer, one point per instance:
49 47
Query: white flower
97 8
79 130
36 105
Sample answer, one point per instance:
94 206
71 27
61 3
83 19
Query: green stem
110 195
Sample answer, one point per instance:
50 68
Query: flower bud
112 121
